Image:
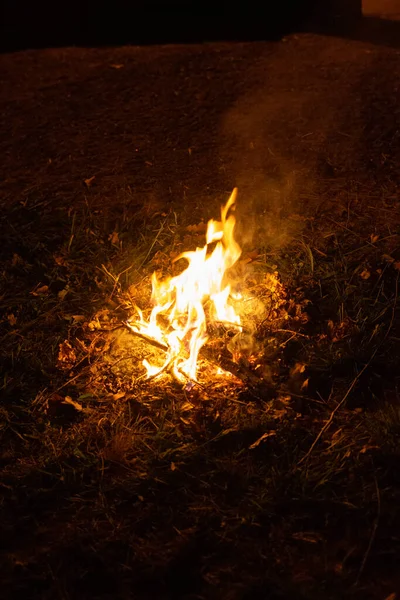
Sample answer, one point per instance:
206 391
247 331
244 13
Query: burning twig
146 337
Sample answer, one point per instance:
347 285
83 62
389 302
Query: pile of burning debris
219 320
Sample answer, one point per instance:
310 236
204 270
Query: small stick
148 338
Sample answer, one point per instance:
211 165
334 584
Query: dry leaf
94 324
17 260
77 319
40 291
199 228
304 385
297 369
117 66
114 238
118 395
374 238
173 466
365 274
388 258
88 182
187 406
397 265
59 260
62 293
261 439
12 319
66 356
76 405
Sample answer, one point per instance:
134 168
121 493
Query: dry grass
278 481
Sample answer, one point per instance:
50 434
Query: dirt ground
287 488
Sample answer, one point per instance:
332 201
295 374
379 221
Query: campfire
220 321
187 305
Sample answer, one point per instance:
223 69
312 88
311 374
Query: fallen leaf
199 228
94 324
187 406
40 291
117 66
17 260
397 265
297 369
55 398
114 238
173 466
62 293
118 395
77 319
66 356
388 258
12 319
76 405
261 439
304 385
59 260
374 238
365 274
89 182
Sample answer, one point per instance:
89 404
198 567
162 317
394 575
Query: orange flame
178 321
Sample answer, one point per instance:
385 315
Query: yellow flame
178 321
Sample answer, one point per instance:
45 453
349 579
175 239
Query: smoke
283 137
270 183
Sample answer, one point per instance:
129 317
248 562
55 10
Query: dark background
46 23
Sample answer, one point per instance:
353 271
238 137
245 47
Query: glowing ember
183 305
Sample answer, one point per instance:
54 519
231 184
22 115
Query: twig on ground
114 278
147 338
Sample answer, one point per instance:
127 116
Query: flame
184 304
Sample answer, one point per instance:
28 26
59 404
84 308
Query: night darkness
89 23
270 471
